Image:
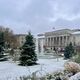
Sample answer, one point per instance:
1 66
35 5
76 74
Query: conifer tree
2 56
69 51
28 55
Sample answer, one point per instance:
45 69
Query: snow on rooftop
78 32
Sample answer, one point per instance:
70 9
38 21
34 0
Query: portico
60 39
57 41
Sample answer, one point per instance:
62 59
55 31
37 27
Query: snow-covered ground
9 70
75 77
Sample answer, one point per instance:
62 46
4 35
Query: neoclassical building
58 39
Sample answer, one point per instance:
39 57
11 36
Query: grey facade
61 38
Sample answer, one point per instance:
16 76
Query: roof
58 32
40 34
78 32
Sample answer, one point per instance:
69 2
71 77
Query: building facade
40 42
59 39
20 39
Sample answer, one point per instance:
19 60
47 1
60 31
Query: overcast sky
39 15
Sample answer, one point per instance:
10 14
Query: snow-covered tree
2 44
69 51
28 55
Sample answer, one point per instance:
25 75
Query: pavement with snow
10 70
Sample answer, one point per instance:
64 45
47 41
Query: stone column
50 42
42 44
69 39
66 41
56 41
37 50
46 42
62 40
59 42
52 45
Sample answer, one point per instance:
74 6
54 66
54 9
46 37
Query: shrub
72 67
69 51
77 58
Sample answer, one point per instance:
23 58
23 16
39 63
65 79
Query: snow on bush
75 77
72 67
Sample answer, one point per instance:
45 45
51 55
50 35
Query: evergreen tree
69 51
28 56
2 56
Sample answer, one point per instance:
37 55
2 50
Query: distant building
49 40
20 39
58 39
40 43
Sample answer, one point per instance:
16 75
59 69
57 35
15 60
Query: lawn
10 70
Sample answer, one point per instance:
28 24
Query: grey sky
39 15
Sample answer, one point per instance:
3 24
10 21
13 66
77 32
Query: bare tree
9 37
